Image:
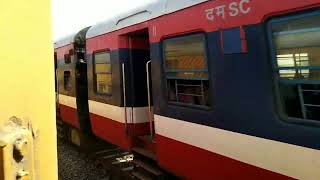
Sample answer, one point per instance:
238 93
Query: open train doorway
141 90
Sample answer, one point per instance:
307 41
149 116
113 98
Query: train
209 89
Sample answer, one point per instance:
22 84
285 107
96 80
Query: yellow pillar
27 76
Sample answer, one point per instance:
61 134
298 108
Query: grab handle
124 98
149 100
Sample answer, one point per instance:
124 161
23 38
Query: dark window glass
55 70
67 59
67 80
297 61
186 70
103 73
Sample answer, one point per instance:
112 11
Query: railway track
113 163
126 165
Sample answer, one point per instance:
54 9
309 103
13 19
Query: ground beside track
74 165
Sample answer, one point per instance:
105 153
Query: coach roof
65 40
141 14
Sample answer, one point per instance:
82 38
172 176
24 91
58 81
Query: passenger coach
233 90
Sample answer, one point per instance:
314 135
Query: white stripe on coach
116 113
68 101
290 160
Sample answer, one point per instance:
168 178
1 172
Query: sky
72 15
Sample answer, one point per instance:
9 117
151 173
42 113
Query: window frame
95 88
67 59
275 68
205 46
64 81
56 71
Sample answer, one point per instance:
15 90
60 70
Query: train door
140 91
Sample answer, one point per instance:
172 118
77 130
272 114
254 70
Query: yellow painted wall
27 74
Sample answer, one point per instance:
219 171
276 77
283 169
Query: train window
103 73
55 70
67 59
67 80
186 70
296 46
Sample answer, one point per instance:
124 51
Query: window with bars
186 70
103 73
296 45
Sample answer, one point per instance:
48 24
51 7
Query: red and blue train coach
235 86
251 109
237 91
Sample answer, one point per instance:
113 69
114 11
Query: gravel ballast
74 165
